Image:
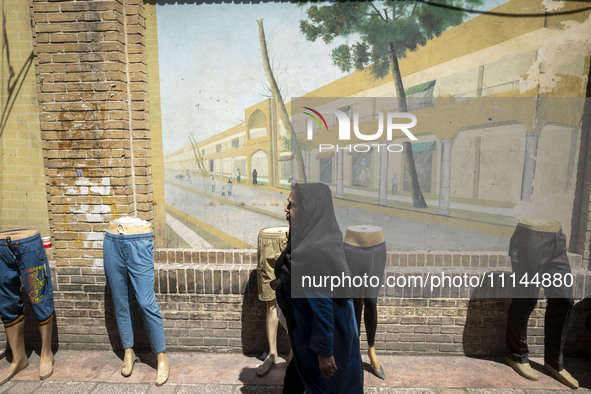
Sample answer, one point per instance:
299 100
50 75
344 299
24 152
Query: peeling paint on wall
552 5
560 50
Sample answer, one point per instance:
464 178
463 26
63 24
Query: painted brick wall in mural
247 93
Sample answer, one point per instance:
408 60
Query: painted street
237 219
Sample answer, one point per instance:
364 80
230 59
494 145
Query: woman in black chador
321 323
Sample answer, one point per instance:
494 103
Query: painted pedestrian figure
229 187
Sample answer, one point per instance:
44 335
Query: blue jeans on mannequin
129 267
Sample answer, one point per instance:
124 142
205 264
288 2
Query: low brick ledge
393 258
191 278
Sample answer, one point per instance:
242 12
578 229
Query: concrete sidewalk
98 372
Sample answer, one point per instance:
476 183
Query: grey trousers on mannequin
536 252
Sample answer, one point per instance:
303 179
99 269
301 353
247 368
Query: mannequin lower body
271 324
24 261
369 308
46 356
555 329
542 253
370 261
129 267
16 339
163 368
270 246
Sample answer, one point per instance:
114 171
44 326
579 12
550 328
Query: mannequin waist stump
129 229
540 225
364 235
16 235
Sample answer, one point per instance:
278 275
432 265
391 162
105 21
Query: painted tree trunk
418 201
283 115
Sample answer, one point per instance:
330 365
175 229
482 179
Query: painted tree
283 114
198 157
384 32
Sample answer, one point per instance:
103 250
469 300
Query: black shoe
380 374
265 367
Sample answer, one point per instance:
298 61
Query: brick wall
92 93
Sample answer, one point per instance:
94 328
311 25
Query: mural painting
496 88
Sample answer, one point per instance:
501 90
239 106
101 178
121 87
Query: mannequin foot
46 366
376 367
379 372
14 368
266 366
563 376
163 369
128 361
46 356
524 369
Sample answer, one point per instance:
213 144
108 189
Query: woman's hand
327 365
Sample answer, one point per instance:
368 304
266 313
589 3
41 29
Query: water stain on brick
86 117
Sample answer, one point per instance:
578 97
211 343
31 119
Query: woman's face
289 209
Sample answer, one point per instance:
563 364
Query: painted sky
211 67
